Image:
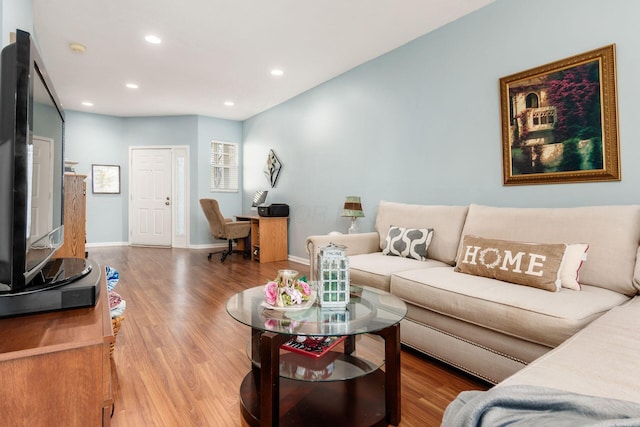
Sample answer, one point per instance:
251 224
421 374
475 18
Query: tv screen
45 199
31 166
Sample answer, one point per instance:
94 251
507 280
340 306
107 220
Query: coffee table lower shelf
355 402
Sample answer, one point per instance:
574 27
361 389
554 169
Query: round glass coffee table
290 384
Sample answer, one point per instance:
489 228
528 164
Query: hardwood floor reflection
179 357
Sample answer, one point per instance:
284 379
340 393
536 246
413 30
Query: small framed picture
105 179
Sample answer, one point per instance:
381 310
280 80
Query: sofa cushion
446 222
408 242
530 264
503 307
612 233
376 269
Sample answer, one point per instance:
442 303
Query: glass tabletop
369 310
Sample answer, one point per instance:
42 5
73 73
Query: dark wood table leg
270 378
255 344
391 336
349 344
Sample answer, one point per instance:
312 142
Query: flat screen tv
31 171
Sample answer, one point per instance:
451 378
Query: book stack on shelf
310 358
311 346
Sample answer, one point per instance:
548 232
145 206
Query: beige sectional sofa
601 360
590 379
487 327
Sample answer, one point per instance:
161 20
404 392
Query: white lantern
333 276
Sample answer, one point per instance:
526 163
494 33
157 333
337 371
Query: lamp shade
352 207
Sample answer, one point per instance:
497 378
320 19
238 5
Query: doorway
158 196
42 187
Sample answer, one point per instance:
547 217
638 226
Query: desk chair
225 228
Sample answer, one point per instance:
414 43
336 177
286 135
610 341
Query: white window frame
224 167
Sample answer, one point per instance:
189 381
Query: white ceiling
214 51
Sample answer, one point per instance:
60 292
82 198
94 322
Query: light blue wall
421 124
15 14
210 128
98 139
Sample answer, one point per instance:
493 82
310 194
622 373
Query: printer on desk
274 209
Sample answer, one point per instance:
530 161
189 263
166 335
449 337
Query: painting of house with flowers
554 122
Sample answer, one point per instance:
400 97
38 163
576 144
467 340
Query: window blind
224 166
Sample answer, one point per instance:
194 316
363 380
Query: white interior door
42 186
150 197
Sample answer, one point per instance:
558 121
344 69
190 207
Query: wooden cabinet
75 217
55 368
269 239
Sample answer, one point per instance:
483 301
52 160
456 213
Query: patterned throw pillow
530 264
408 242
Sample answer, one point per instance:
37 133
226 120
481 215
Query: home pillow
574 256
408 242
531 264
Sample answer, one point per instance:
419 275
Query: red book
311 345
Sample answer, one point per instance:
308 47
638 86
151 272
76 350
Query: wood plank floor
179 357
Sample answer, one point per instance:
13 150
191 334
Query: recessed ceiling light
77 47
229 103
132 86
277 72
153 39
87 103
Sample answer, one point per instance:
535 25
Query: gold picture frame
560 121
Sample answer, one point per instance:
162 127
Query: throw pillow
408 242
574 256
530 264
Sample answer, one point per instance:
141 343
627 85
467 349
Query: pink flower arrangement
286 290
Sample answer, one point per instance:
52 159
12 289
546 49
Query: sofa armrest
363 243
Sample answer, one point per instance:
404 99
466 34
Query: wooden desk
55 368
269 239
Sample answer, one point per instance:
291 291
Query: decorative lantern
333 276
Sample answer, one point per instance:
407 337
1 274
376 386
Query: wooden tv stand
55 368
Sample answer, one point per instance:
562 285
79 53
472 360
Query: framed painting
105 179
560 121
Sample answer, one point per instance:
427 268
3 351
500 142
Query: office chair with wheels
225 228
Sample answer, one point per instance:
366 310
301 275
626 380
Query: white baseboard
298 259
105 244
202 246
209 246
293 258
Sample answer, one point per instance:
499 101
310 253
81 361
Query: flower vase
287 277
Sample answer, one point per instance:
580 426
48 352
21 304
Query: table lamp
353 209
